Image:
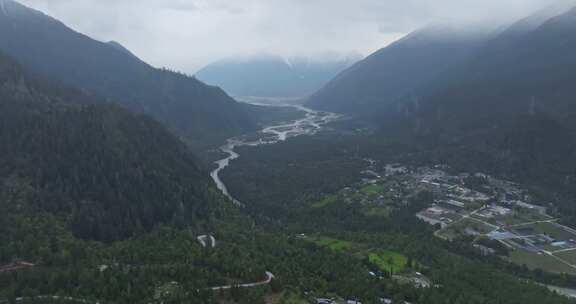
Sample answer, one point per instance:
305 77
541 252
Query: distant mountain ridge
501 103
398 69
508 108
202 114
265 75
520 71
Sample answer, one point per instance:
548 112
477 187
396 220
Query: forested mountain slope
104 172
511 109
398 69
204 115
98 200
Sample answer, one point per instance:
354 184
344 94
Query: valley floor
324 221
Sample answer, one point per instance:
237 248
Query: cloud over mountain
188 34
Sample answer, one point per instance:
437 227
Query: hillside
274 76
398 69
432 202
95 201
101 171
202 114
510 106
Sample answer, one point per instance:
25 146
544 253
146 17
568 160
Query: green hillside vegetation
330 199
105 172
334 244
455 266
107 205
388 261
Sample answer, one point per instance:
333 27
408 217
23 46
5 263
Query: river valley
312 122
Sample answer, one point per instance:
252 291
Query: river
310 124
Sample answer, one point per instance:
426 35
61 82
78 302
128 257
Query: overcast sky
188 34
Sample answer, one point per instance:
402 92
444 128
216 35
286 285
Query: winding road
269 277
51 298
16 266
310 124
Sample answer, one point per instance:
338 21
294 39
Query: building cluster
532 238
462 195
480 205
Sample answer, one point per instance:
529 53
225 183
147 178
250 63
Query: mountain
396 70
274 76
494 48
101 171
202 114
510 109
122 48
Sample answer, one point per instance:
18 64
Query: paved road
16 266
532 223
202 239
564 227
69 299
269 277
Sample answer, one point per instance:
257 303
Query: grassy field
325 202
287 298
568 256
333 244
382 211
388 261
540 261
373 189
385 260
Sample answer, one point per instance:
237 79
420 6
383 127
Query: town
497 217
